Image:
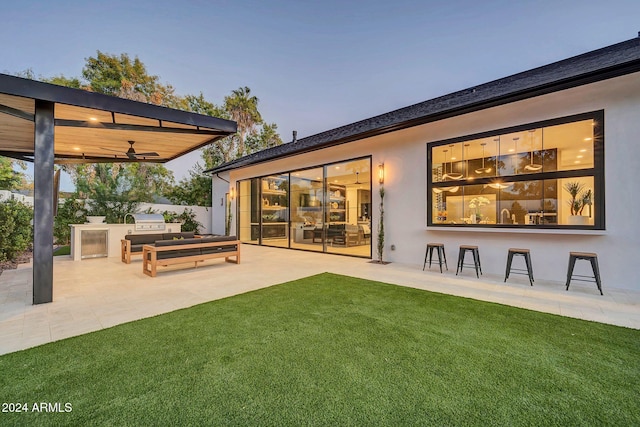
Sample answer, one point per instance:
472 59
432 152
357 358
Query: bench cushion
179 252
183 235
142 239
215 249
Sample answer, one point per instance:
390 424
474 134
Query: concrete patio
95 294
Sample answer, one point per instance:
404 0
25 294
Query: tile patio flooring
95 294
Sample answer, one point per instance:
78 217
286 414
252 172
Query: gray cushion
142 239
183 235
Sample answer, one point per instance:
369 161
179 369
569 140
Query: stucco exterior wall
404 155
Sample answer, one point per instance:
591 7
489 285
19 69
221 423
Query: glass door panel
306 210
249 210
275 210
347 215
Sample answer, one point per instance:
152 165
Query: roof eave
556 86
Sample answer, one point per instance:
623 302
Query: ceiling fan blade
109 149
147 154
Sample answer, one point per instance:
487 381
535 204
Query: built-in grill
146 222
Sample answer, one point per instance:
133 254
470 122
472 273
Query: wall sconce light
381 173
232 193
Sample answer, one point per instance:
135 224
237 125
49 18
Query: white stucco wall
404 156
219 190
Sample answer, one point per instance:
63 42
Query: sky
314 65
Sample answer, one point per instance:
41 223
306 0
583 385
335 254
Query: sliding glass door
306 210
322 209
275 210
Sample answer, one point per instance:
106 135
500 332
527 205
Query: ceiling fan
131 153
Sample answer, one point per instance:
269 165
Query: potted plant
475 205
580 198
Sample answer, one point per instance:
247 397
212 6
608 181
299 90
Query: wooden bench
132 244
168 252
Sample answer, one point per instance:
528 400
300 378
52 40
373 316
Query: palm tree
243 109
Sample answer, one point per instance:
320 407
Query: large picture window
546 175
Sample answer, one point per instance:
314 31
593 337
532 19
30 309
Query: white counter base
116 233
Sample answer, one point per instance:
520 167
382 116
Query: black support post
43 203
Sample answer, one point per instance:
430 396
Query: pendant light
439 190
532 166
451 175
483 169
515 149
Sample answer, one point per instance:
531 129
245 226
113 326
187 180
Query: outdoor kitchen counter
115 233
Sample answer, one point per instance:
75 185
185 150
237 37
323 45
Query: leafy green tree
71 211
16 232
194 190
10 179
243 109
266 138
61 80
115 190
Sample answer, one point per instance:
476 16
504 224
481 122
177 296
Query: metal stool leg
461 253
596 273
425 258
509 261
572 264
444 255
527 260
439 258
476 261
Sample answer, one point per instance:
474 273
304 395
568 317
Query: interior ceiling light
532 166
439 190
483 169
498 185
451 175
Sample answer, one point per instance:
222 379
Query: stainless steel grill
145 222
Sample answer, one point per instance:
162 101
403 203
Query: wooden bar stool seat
442 257
527 259
593 259
476 259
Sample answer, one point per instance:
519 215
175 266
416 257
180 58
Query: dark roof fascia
471 101
26 88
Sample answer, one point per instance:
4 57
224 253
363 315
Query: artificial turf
334 350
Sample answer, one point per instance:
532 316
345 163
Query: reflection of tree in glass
518 211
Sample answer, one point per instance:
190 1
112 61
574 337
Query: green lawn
62 250
335 350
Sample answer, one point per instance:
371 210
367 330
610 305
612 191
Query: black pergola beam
140 128
16 113
43 203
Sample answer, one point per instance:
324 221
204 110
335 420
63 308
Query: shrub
187 218
16 231
71 211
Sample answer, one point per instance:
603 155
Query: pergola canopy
49 124
90 127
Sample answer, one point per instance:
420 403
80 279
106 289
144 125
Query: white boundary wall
203 214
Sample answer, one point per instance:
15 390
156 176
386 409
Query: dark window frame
597 172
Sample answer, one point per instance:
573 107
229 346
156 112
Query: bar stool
591 257
439 247
476 258
527 260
